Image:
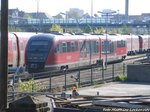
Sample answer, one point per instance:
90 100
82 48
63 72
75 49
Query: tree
14 29
27 16
99 30
56 28
74 13
87 29
126 29
58 16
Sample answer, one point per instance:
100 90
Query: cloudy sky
53 7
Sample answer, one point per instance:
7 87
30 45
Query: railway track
59 81
36 76
61 74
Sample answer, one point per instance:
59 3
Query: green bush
121 77
30 86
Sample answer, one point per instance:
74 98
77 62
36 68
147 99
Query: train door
22 50
82 51
10 52
113 48
15 52
140 44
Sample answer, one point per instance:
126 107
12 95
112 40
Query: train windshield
39 46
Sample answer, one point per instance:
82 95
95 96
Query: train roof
76 37
11 36
24 34
64 37
130 36
113 37
135 36
144 36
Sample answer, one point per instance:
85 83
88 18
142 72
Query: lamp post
79 20
137 30
117 23
37 6
92 15
65 20
106 13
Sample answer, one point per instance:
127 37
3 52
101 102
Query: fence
64 81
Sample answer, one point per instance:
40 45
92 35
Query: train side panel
114 48
16 49
144 43
133 45
23 38
12 53
63 53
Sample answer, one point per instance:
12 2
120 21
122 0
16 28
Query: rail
58 81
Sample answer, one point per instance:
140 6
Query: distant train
50 51
137 44
16 49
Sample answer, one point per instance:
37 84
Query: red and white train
137 44
16 49
50 51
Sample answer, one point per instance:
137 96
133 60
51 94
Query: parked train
137 44
16 49
50 51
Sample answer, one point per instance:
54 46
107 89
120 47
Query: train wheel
67 67
123 58
62 68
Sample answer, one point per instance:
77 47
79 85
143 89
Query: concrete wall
140 73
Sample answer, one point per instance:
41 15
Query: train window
107 46
57 50
97 49
21 46
14 46
121 43
81 48
64 47
73 47
39 43
94 47
68 46
104 46
81 45
76 45
8 47
112 48
87 46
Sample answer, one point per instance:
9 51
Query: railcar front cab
37 51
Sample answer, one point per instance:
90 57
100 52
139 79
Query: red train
49 51
137 44
16 49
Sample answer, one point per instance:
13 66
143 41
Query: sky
54 7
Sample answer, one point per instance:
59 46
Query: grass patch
121 77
